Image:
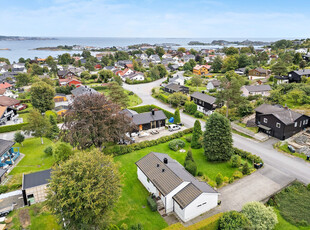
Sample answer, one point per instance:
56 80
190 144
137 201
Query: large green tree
233 220
84 189
22 79
177 117
230 63
217 141
177 99
217 64
195 144
279 69
42 95
117 95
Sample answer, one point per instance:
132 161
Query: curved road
293 166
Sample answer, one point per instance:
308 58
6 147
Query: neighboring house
240 71
186 58
98 66
178 79
111 68
8 154
282 79
7 113
62 74
263 90
258 73
125 72
8 101
174 187
279 122
201 69
61 104
205 103
155 58
137 76
174 67
82 90
69 82
142 56
123 63
213 84
175 88
295 76
34 187
147 120
306 57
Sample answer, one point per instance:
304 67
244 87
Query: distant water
25 48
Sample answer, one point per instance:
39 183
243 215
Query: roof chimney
165 160
153 112
157 165
163 170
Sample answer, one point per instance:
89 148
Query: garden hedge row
10 128
148 108
117 150
163 98
247 155
24 100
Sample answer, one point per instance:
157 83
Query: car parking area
151 134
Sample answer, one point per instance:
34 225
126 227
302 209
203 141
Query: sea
25 48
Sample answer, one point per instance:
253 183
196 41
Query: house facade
296 76
62 74
175 88
201 69
213 84
175 187
258 73
8 156
205 103
248 90
279 122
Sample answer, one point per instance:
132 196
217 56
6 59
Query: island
224 43
19 38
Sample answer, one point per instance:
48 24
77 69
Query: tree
118 80
181 49
217 64
106 75
260 216
297 58
245 50
177 117
231 50
38 125
22 79
196 81
190 164
230 63
177 99
217 140
154 73
235 161
263 57
195 144
21 60
233 220
162 70
92 120
296 95
243 60
279 68
121 55
65 59
160 51
187 67
193 51
150 51
62 151
42 96
19 138
302 64
54 131
86 54
85 75
230 93
117 95
219 179
50 61
84 189
245 169
190 107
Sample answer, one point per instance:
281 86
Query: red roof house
5 85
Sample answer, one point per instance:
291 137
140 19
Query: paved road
292 166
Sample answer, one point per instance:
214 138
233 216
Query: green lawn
253 129
132 207
34 160
40 218
285 225
284 148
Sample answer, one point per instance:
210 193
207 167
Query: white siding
147 183
169 200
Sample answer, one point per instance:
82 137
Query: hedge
24 100
148 108
10 128
151 202
117 150
163 98
247 155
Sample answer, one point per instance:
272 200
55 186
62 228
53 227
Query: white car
173 127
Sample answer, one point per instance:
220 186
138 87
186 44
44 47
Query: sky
156 18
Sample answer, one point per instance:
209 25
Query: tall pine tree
177 117
195 144
217 140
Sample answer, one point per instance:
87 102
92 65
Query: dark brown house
175 88
279 122
259 72
205 103
62 74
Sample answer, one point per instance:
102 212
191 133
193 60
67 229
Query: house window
148 180
295 124
306 121
278 125
265 120
201 204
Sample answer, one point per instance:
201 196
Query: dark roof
8 101
35 179
257 88
204 97
60 94
147 117
129 112
2 171
174 174
215 83
83 90
302 72
176 87
5 146
287 116
261 70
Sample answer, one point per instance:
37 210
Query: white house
136 76
248 90
175 187
213 84
177 79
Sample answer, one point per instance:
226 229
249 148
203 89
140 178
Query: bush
190 107
198 114
176 144
191 167
199 174
233 220
151 202
231 180
245 169
10 128
219 179
247 155
3 188
48 150
308 187
237 175
163 98
260 216
235 161
62 151
189 138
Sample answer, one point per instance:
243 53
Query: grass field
132 207
284 148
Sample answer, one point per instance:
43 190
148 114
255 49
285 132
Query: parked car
143 134
173 127
291 148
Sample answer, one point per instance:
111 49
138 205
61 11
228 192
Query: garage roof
35 179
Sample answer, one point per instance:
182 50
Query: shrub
231 180
260 216
10 128
163 98
48 150
219 179
237 175
198 114
191 167
233 220
245 169
190 107
189 138
151 202
235 161
3 188
308 187
62 151
225 179
199 173
247 155
176 144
